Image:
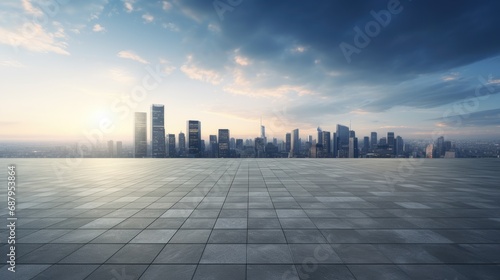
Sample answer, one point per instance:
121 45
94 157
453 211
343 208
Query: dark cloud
473 119
426 36
401 66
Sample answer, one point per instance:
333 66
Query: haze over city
69 65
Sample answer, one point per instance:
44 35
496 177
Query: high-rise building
182 144
111 149
140 135
171 146
429 151
366 144
373 140
259 147
158 131
223 143
342 141
398 146
263 132
288 142
119 149
214 147
327 149
320 135
353 147
390 140
295 144
232 143
239 144
194 138
335 145
382 141
440 148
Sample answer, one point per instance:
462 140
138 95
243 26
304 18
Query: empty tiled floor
255 219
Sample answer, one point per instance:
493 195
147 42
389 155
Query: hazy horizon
409 67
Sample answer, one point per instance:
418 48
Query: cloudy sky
76 68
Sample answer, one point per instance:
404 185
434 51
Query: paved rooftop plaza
254 219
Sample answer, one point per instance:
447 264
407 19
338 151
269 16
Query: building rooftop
254 219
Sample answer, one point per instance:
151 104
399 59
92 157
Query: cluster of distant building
342 143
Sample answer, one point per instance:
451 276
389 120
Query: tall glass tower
343 141
194 138
140 135
223 143
158 131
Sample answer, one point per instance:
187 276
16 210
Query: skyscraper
335 145
119 149
288 142
320 135
353 147
263 132
158 131
223 143
373 140
398 146
213 146
429 151
327 149
194 138
111 149
171 146
366 144
343 141
182 144
440 149
140 135
239 144
390 140
295 145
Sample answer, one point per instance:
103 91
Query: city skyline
239 64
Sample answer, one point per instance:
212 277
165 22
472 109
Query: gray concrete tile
268 254
224 253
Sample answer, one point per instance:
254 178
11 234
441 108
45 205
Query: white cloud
35 39
243 86
11 63
148 18
200 74
129 5
214 28
167 68
166 5
120 75
241 60
98 28
30 9
131 55
299 49
171 26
